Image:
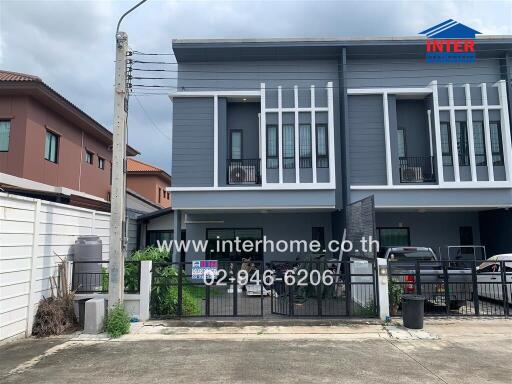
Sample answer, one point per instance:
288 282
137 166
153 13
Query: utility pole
118 195
118 241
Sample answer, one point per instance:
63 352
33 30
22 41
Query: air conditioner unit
411 174
242 174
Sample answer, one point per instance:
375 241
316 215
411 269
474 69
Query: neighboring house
50 148
158 226
283 135
149 181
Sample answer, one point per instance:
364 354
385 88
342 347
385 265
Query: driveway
331 354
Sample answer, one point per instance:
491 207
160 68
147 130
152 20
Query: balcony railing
419 169
243 171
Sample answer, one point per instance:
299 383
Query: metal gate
455 288
174 293
350 292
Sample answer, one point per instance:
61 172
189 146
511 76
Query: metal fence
461 288
265 292
92 276
347 292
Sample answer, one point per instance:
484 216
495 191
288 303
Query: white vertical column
330 128
453 130
471 141
263 135
296 107
387 139
429 118
487 133
280 131
313 133
215 141
437 130
33 268
505 129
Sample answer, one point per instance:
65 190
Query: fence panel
34 236
461 288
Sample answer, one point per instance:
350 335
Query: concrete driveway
458 351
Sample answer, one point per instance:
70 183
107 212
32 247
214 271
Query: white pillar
33 267
215 141
296 110
263 135
145 289
330 128
453 132
280 131
382 278
505 129
487 133
387 138
471 141
313 133
437 130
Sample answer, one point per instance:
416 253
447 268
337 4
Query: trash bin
412 311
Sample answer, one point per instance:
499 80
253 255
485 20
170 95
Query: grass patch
117 323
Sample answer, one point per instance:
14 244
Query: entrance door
222 246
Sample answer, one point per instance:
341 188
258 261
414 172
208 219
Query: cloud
70 44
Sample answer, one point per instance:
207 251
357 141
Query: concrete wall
34 236
432 229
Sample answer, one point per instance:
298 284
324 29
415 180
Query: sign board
200 268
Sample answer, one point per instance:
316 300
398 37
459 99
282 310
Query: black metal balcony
243 171
419 169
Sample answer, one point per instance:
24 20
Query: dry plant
55 314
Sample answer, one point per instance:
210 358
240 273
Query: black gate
175 294
454 288
325 289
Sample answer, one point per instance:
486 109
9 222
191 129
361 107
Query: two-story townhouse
50 147
277 137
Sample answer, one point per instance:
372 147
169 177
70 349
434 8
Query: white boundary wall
32 232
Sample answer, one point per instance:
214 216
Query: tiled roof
139 166
16 76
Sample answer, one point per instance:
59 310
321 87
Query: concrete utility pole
118 194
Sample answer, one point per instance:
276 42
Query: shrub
117 322
189 303
150 253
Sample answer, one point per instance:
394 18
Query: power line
149 118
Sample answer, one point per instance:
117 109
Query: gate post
383 291
145 289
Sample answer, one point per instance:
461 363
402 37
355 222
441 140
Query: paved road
482 358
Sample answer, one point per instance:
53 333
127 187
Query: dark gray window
305 146
272 159
401 143
446 144
51 147
479 142
496 143
288 146
462 143
217 250
101 163
5 133
89 157
394 237
322 154
236 144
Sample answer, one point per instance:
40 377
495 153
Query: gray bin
413 311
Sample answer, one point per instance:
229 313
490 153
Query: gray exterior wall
432 229
496 231
192 144
275 226
367 150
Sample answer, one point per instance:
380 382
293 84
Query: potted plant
395 296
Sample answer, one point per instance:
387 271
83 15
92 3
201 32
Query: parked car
489 277
403 262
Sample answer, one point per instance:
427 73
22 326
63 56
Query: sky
70 44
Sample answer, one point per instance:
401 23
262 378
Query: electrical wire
149 118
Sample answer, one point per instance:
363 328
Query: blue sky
70 44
